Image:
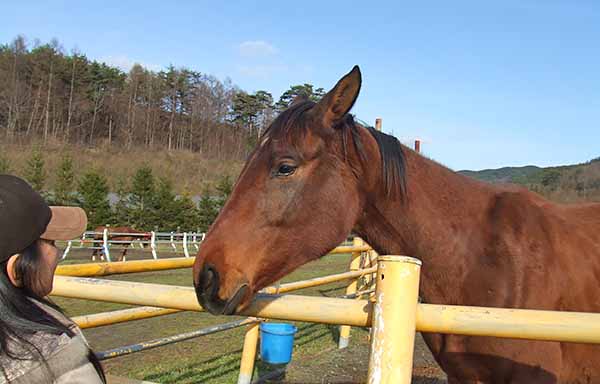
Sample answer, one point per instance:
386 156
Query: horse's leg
124 255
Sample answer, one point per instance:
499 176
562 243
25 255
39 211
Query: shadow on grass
220 366
201 371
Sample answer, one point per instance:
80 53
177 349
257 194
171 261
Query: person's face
47 267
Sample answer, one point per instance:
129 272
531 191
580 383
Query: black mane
291 126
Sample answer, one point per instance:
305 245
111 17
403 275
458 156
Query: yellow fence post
394 320
351 289
249 354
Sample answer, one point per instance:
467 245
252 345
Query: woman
38 343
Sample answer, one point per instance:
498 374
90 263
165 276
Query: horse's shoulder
587 214
519 203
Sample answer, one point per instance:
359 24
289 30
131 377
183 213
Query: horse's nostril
209 281
208 278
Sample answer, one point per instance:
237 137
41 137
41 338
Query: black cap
25 217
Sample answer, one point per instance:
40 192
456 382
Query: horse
316 175
125 240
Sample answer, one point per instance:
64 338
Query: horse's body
317 175
133 234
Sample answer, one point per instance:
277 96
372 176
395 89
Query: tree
253 112
224 188
550 178
207 211
63 190
166 210
188 214
141 198
93 198
48 94
305 90
35 173
121 209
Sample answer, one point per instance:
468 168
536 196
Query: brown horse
317 175
133 234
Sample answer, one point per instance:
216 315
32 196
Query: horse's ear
337 102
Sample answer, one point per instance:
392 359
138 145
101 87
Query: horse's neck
443 213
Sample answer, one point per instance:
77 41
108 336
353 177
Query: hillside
504 174
569 183
190 172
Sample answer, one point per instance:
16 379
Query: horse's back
556 255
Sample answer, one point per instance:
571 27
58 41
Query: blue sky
483 84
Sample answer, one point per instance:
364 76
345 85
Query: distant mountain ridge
576 182
504 174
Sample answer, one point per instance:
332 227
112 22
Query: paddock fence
103 243
361 276
394 315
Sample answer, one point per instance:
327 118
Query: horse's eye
286 170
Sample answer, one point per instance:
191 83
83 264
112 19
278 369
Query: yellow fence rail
476 321
124 315
136 266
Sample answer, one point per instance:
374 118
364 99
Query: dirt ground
350 365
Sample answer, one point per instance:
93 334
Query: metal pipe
351 289
286 307
288 287
394 320
576 327
124 315
120 316
482 321
349 249
249 354
126 350
119 267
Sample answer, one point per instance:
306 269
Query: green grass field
209 359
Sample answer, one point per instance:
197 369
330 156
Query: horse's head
296 199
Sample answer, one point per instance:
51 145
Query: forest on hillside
48 95
79 129
566 183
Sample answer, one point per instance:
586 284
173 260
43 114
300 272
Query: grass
190 172
209 359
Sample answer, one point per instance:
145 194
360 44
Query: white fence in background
103 242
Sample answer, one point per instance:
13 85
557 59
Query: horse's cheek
280 204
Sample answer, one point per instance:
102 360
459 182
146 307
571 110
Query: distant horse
316 175
125 240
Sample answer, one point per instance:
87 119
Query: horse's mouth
207 293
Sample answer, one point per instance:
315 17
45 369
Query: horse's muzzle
207 292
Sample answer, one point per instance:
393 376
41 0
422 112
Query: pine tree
224 188
207 211
121 216
166 209
63 191
188 214
93 198
141 198
35 173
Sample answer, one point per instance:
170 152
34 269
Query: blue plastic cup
277 342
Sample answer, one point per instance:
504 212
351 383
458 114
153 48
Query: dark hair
21 316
